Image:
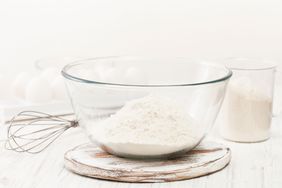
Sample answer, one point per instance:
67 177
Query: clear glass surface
199 88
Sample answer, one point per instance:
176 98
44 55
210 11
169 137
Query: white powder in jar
148 126
246 112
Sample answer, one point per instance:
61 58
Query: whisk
36 134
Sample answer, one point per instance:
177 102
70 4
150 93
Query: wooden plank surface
255 165
89 160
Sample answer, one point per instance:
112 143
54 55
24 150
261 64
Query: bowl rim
250 63
68 76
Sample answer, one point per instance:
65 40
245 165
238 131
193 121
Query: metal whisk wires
37 133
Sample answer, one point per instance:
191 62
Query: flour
148 126
247 112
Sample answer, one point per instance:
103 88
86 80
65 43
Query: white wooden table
252 166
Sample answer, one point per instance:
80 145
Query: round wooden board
89 160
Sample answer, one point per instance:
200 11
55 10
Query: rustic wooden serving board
89 160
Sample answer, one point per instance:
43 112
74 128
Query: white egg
99 71
4 87
112 75
134 76
87 74
49 74
20 83
59 89
38 91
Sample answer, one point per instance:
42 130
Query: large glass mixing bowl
100 87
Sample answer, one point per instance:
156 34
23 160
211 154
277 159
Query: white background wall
31 29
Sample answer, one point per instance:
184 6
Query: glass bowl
141 107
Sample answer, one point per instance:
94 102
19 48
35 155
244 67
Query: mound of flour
148 126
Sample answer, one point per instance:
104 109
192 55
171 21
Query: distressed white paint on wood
89 160
252 165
